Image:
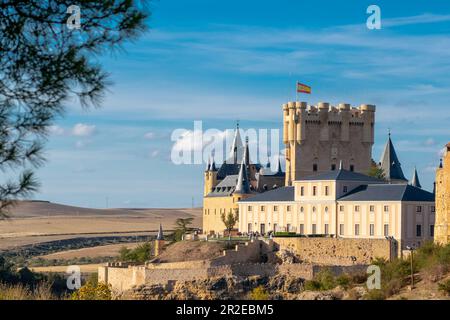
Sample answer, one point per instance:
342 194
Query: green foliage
93 291
344 281
140 254
259 293
375 294
285 234
229 220
324 280
376 172
47 64
445 287
182 227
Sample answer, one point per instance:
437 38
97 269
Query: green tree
141 253
182 227
376 172
44 63
229 220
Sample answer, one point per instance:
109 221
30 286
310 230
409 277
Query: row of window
356 208
301 229
208 211
333 167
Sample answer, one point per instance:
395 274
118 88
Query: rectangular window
263 228
249 227
356 229
352 168
250 208
314 229
386 230
326 190
356 208
314 190
372 208
341 208
431 230
314 167
344 189
263 208
326 228
341 229
302 228
288 208
333 167
418 230
275 227
386 208
288 227
419 209
433 208
275 208
372 230
302 191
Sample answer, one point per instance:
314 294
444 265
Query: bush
140 254
375 295
445 287
42 291
324 280
344 280
91 291
259 293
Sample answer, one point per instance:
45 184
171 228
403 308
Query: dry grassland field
36 222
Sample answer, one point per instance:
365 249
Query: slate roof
388 192
279 194
390 164
343 175
225 188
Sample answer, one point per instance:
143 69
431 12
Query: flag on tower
303 88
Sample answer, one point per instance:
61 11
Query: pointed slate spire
415 180
208 164
341 165
268 160
242 185
160 235
236 147
390 163
279 170
434 187
246 153
213 163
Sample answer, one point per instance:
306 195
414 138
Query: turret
391 165
242 185
415 180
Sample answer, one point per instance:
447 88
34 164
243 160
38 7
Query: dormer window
345 189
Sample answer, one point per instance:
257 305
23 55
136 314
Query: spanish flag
303 88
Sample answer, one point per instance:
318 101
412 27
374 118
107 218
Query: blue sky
218 61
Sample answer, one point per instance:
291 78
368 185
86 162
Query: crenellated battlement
318 136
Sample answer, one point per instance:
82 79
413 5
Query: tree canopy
45 64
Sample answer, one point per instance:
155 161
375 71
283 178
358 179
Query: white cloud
83 130
149 135
56 130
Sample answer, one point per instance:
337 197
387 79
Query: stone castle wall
442 224
336 251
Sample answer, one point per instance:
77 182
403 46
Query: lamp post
411 252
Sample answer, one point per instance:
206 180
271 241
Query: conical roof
236 147
160 235
415 180
242 185
390 163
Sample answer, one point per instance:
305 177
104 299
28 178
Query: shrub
375 294
140 254
324 280
42 291
344 280
259 293
91 291
445 287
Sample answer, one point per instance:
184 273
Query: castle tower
236 147
210 176
390 164
442 222
316 136
159 242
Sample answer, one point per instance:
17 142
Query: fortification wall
336 251
243 253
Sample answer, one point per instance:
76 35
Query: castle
327 190
442 234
